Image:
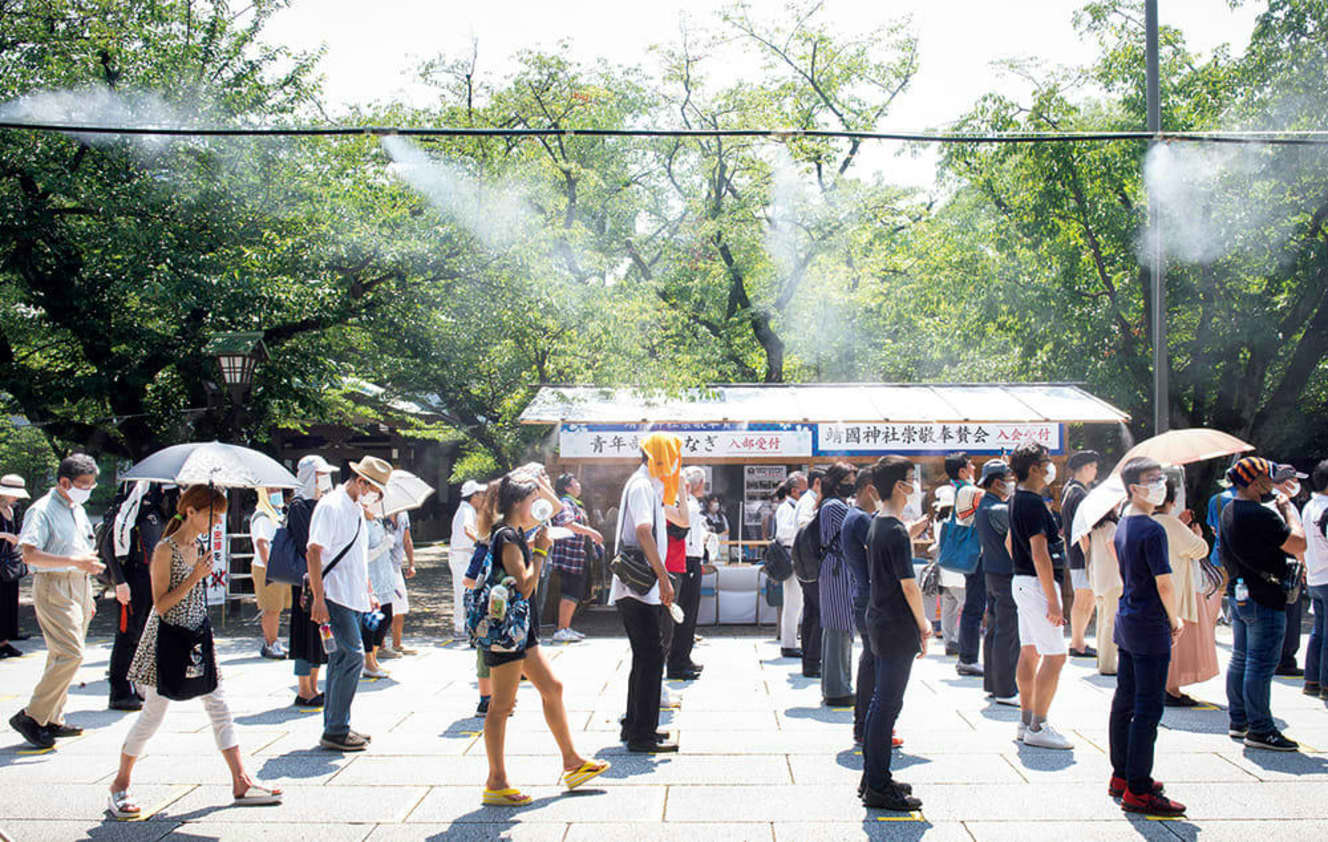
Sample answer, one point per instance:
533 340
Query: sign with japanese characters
699 441
855 439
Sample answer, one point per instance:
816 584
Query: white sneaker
1046 737
1020 732
378 673
579 635
1010 701
565 636
388 652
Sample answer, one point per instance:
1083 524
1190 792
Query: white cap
945 496
320 465
11 485
470 487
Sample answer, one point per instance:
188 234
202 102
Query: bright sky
372 49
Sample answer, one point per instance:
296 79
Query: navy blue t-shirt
1142 627
853 544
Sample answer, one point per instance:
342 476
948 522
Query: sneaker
63 729
1237 732
129 703
31 731
891 799
565 636
378 673
1153 804
1323 694
272 652
579 635
1272 742
1116 787
968 669
1020 730
315 701
388 653
951 649
1086 652
482 709
1289 671
9 651
1312 688
1008 701
406 650
349 742
1046 737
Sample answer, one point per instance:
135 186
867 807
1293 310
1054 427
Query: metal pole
1161 399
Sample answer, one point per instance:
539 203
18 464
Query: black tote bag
186 663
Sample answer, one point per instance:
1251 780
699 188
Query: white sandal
257 796
118 803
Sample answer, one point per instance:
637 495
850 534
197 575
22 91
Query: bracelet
539 552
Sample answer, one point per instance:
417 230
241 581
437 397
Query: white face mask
324 482
79 495
1051 472
1155 492
368 498
1293 488
275 499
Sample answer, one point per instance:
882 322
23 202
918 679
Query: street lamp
238 354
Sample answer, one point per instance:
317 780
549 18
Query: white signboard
933 438
220 546
600 441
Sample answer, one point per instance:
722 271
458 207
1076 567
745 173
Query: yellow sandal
506 798
590 769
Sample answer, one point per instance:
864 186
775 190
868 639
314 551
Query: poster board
759 483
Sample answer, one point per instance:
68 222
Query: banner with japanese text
864 439
699 441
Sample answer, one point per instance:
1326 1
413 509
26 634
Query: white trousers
791 615
458 560
154 711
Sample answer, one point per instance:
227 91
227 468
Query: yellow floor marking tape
915 816
31 751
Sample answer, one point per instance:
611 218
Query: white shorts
400 602
1034 629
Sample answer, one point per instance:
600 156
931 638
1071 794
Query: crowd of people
995 553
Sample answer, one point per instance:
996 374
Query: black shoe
31 731
660 737
683 675
790 653
907 789
1271 742
968 669
348 742
21 637
951 649
840 701
696 667
893 798
1181 701
1086 652
129 703
652 747
1289 670
312 702
814 672
482 709
57 729
1312 688
8 651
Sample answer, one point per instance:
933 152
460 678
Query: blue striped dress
836 581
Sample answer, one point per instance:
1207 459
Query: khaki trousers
64 611
1106 627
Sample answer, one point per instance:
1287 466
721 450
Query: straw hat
373 469
12 485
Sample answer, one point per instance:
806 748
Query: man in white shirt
338 557
786 526
641 526
680 662
810 627
461 546
1314 518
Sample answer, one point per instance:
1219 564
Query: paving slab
473 832
35 830
890 829
550 804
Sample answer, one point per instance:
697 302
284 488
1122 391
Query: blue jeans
970 619
1257 633
343 669
1316 656
1136 709
891 679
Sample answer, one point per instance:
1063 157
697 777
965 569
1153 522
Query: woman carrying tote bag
175 654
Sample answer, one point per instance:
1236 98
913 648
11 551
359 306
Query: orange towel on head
664 454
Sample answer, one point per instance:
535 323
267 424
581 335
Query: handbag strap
622 513
327 570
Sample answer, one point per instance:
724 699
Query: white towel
127 517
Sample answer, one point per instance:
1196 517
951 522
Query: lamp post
238 355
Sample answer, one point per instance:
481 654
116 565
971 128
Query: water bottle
498 602
329 642
1242 591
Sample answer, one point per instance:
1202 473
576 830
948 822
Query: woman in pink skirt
1194 655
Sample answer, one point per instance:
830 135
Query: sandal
575 777
257 796
122 806
506 798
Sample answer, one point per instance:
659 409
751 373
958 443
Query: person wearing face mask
835 583
12 489
1082 467
275 597
1194 658
57 545
716 521
1147 625
1037 596
1286 482
1315 519
313 476
338 556
809 628
1256 542
135 530
1000 647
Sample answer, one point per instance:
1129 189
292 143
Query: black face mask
845 489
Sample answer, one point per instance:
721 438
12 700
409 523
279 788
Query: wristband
539 552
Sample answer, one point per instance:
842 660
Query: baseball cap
992 469
1283 472
1247 469
470 487
945 496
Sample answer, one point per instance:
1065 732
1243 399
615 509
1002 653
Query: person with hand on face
1037 596
338 557
56 542
641 527
180 567
897 626
1147 625
275 597
568 555
1256 541
1286 483
12 489
521 559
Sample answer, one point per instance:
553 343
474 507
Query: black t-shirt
501 537
1029 516
1074 494
1252 539
890 621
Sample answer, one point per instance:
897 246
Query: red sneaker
1118 786
1152 804
895 742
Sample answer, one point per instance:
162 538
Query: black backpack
807 550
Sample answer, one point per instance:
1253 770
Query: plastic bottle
1242 591
498 602
329 642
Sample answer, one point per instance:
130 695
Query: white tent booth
749 436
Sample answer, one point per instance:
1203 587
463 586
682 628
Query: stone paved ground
760 759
